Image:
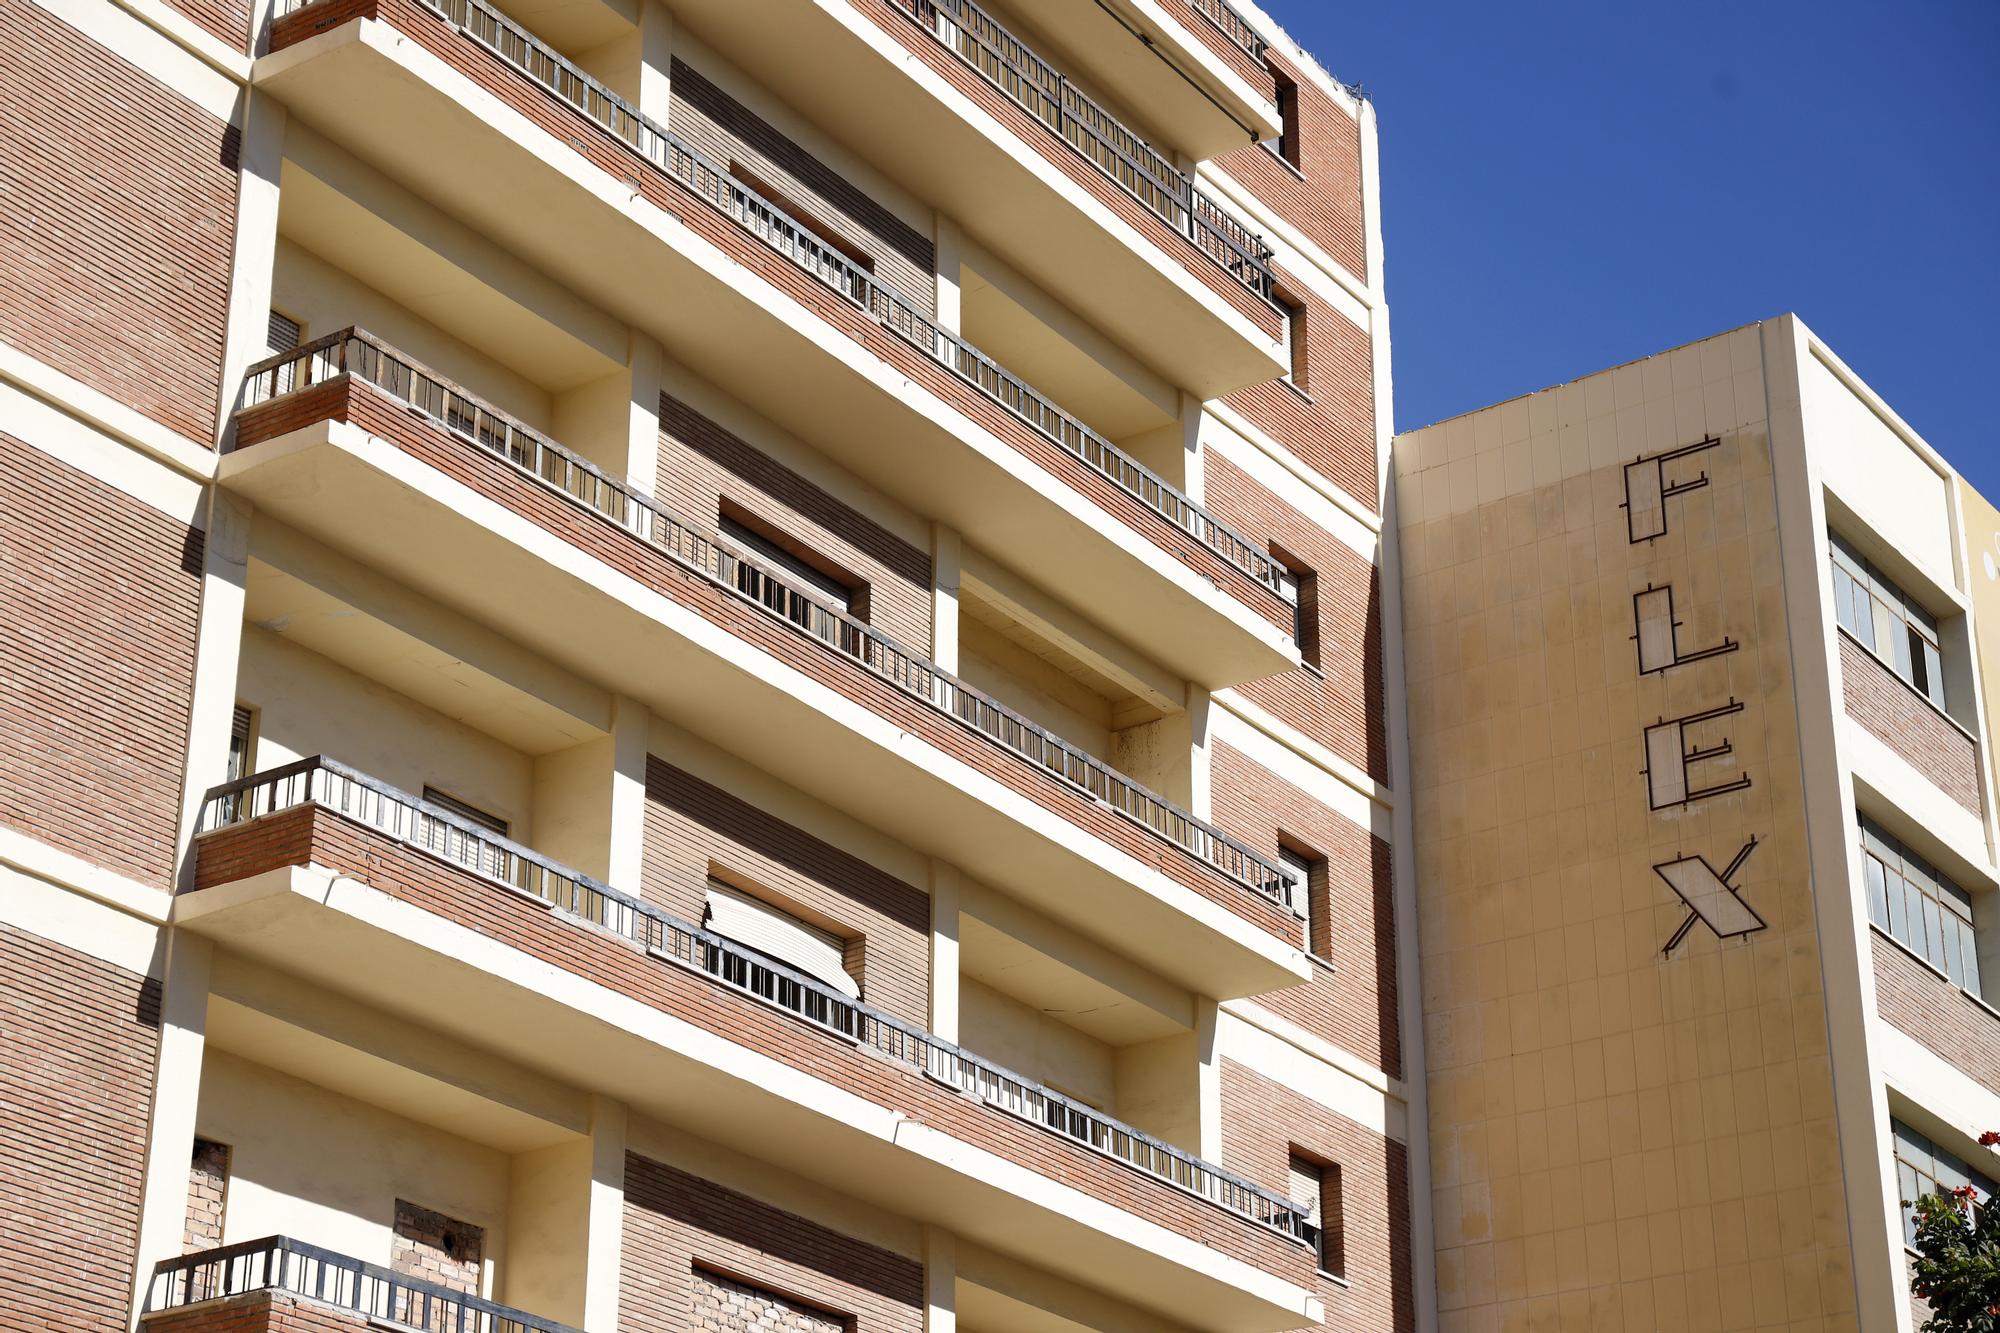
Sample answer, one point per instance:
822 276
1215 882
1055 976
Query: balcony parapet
373 1294
395 815
1232 25
353 355
1013 67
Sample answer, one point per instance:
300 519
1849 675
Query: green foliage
1957 1270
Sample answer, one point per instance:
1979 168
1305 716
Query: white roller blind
762 927
1307 1178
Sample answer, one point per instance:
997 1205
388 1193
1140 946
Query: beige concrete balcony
384 462
323 874
656 235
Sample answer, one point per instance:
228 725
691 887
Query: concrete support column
176 1094
218 648
940 1281
248 329
631 732
1191 458
1209 1078
607 1215
946 887
656 59
948 244
1200 706
947 565
646 361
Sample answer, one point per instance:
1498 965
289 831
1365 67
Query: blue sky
1572 185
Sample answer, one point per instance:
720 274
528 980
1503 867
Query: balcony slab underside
675 1065
840 70
770 693
428 126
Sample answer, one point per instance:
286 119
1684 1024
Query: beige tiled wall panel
1620 1140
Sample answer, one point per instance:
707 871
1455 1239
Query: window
282 335
1884 619
1316 1185
242 726
1910 900
1300 587
1924 1168
777 934
471 814
806 576
1287 146
1312 895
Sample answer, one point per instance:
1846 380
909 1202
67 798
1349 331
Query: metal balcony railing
279 1263
777 229
1135 166
355 353
1233 26
416 823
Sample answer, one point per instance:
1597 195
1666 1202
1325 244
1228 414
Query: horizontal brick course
1232 55
612 155
1896 715
1262 1121
315 836
345 400
80 1040
256 1312
97 650
683 1233
117 232
1925 1005
1322 197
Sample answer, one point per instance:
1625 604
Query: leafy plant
1957 1270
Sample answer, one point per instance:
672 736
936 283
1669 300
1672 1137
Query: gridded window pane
1884 619
1924 1168
1927 913
1878 890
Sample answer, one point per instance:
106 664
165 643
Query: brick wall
1232 55
692 825
1326 416
345 400
616 158
436 1248
701 464
1342 704
1262 1122
901 257
690 1245
81 1038
257 1312
312 836
1351 999
120 214
208 1194
893 18
1322 195
228 21
97 649
1926 1005
1903 720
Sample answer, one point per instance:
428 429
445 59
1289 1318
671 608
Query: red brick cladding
1326 416
1903 720
612 155
1262 1121
1322 196
1927 1006
701 464
692 825
97 649
1352 1003
119 220
225 20
894 19
82 1037
1234 56
257 1312
1341 705
311 835
341 399
676 1222
730 133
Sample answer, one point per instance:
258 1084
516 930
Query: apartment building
1700 654
695 664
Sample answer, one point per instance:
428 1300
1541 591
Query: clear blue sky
1572 185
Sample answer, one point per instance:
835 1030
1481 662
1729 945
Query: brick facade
901 258
313 836
345 400
228 21
1322 194
702 466
1895 714
1351 999
1212 37
208 1196
699 1258
257 1312
438 1249
97 649
693 826
1342 704
1922 1003
116 239
81 1042
1325 416
1263 1121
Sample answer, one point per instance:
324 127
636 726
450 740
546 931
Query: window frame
1872 607
467 811
1947 937
1932 1165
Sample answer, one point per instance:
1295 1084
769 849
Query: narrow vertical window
1313 893
1300 587
1315 1186
242 724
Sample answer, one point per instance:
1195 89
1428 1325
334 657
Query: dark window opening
1300 586
471 814
790 559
